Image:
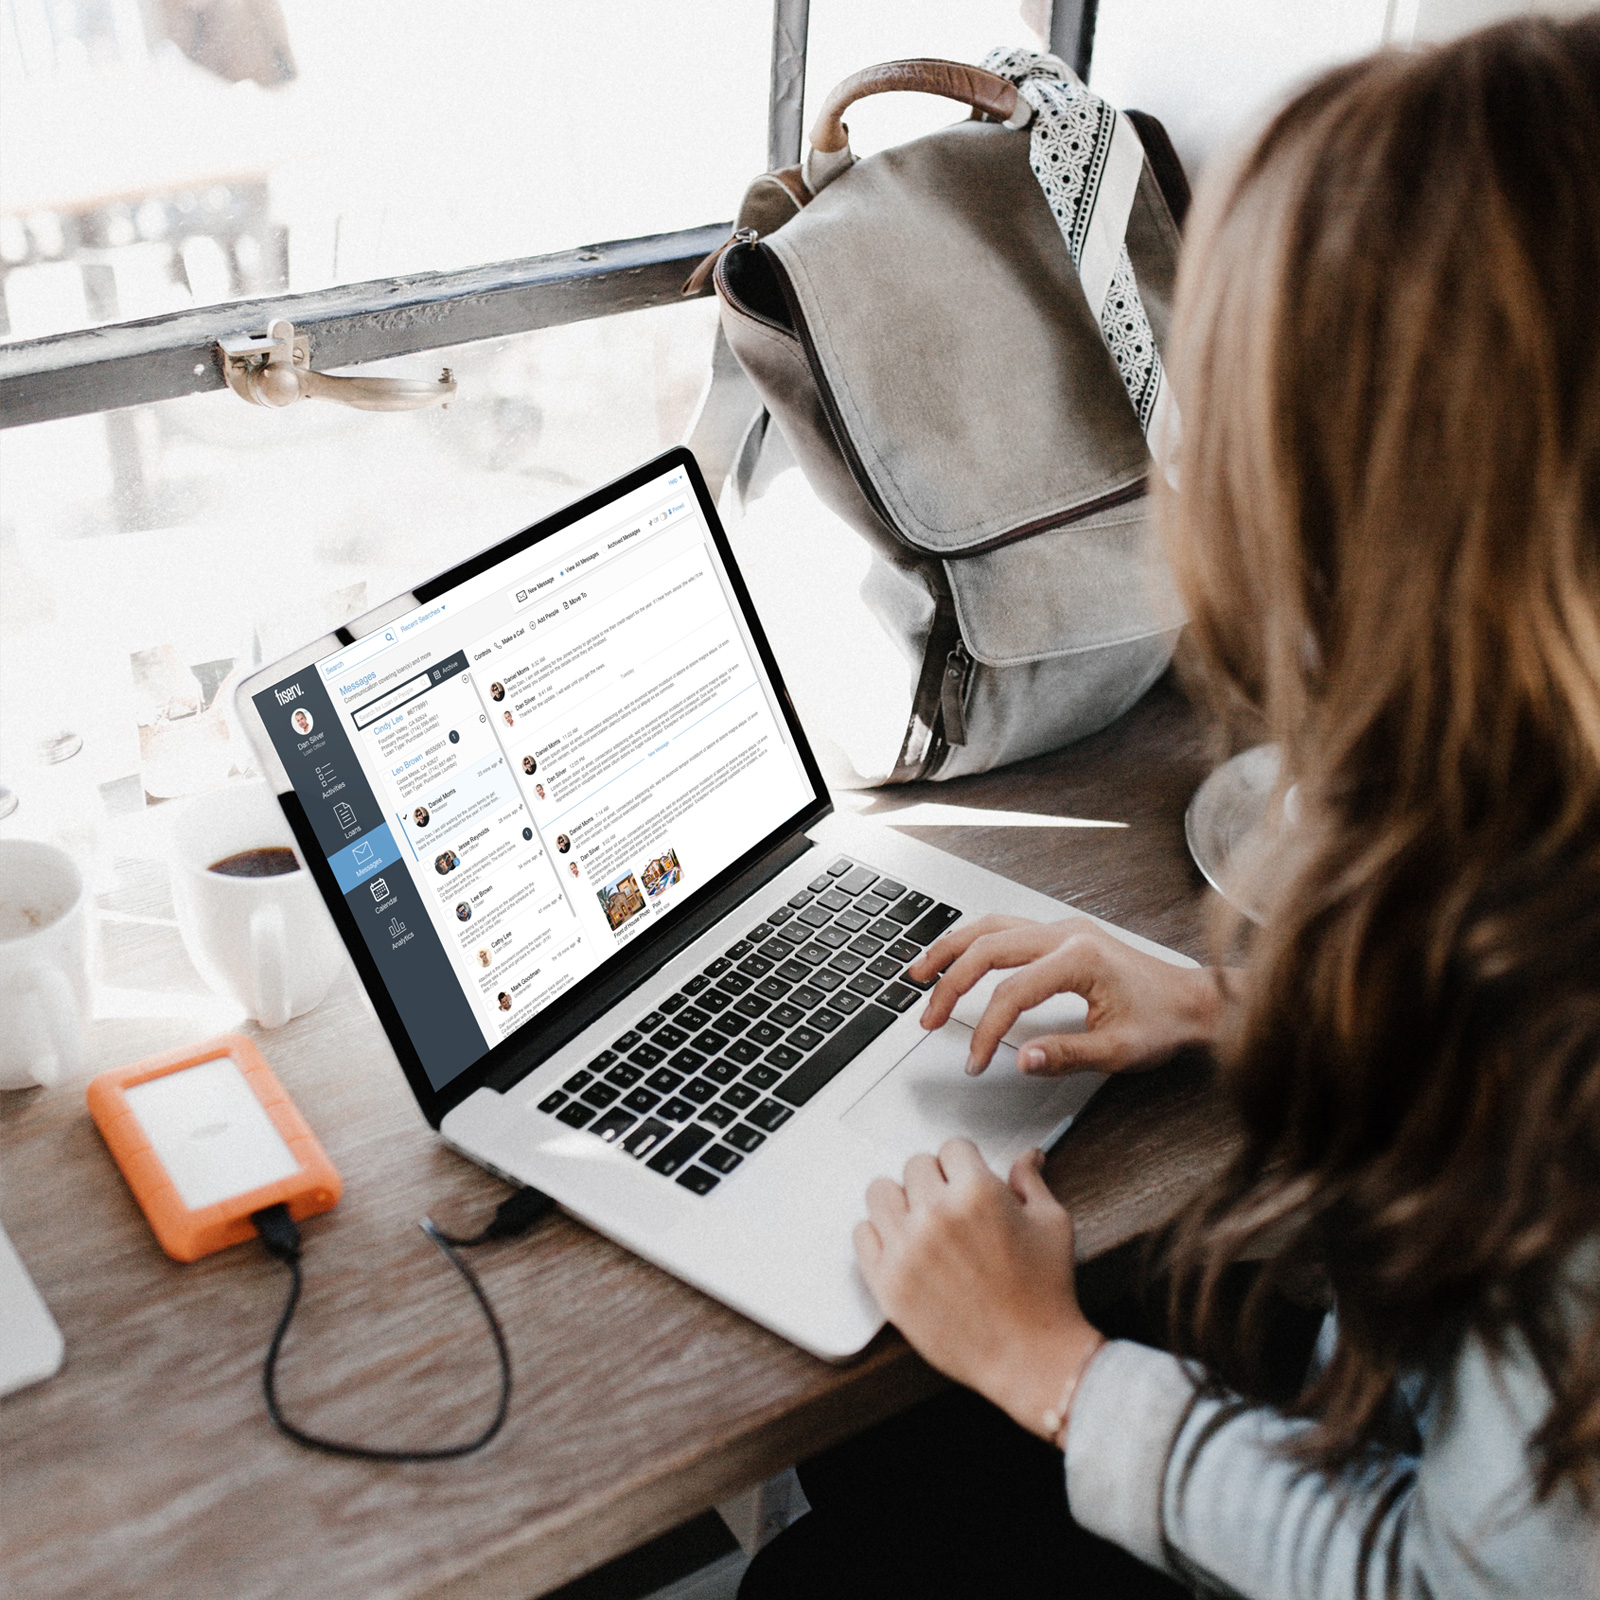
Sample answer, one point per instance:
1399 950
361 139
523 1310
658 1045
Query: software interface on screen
517 779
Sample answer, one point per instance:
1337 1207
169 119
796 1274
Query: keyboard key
816 916
628 1040
574 1114
579 1080
642 1100
603 1060
865 945
923 984
888 889
783 1057
864 983
698 1181
762 930
841 1049
772 988
688 1061
807 995
904 950
847 961
731 1023
851 921
818 884
826 1018
735 982
803 1039
840 867
899 995
765 1033
651 1023
646 1137
736 952
826 980
846 1002
701 1090
787 1015
857 879
740 1095
793 972
761 1075
884 967
718 1115
674 1002
714 1000
647 1056
624 1074
770 1116
803 898
552 1103
718 967
677 1109
692 1017
755 966
722 1159
742 1051
795 933
614 1124
670 1037
664 1080
871 905
834 938
745 1138
884 929
780 916
725 1071
752 1005
909 909
696 984
683 1147
812 954
833 900
707 1042
599 1094
774 950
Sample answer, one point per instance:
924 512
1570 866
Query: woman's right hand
1141 1009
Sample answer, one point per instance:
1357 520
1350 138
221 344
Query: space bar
835 1055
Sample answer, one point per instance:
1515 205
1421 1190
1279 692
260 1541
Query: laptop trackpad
927 1097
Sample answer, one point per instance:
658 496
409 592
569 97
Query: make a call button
369 854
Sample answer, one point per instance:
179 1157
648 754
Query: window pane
166 153
149 557
846 36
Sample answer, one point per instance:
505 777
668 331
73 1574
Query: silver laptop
570 828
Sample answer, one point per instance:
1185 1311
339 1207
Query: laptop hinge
574 1019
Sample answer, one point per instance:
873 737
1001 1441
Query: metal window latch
274 369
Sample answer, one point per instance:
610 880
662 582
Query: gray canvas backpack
915 326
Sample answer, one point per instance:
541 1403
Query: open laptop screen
522 776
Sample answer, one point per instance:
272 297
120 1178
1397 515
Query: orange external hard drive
205 1137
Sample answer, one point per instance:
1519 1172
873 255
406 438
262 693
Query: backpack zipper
953 693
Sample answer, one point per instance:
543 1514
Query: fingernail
974 1066
1030 1059
923 1019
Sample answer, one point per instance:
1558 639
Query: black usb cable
281 1237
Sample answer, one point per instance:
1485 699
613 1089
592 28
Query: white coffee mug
267 943
44 963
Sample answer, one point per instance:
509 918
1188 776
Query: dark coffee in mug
271 861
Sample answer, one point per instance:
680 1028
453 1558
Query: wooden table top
148 1467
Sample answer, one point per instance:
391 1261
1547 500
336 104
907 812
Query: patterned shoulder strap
1088 158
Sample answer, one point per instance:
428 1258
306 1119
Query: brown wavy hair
1387 355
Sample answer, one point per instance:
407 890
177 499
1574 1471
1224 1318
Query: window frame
105 368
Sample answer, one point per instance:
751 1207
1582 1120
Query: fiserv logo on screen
286 695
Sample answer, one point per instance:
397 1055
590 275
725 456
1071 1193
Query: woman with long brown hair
1387 530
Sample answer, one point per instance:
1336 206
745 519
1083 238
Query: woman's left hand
978 1274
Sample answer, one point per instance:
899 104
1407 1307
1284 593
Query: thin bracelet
1055 1422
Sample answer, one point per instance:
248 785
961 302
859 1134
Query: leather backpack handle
986 92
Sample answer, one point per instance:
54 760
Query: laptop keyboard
697 1087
